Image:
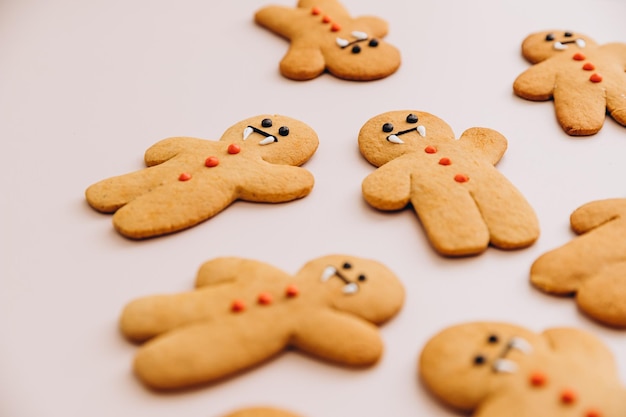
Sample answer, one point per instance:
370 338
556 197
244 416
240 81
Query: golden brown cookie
261 412
323 36
593 265
497 369
190 180
462 201
244 312
585 80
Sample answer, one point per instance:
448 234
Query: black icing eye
373 43
493 339
356 49
550 37
568 34
479 360
347 265
387 127
411 118
266 123
283 131
362 278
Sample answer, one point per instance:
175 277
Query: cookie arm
274 183
220 270
597 213
488 142
168 148
377 27
387 188
536 83
339 337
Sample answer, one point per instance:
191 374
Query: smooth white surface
87 86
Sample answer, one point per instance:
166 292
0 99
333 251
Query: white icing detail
342 42
246 132
359 35
350 288
521 344
559 46
268 140
421 130
394 139
504 365
581 43
328 272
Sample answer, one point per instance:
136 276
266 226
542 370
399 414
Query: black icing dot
373 43
568 34
550 37
362 277
479 360
347 265
387 127
356 49
493 339
266 123
283 131
411 118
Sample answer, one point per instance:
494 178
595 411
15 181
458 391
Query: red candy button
233 148
589 66
335 27
593 413
185 176
315 11
579 56
568 396
212 161
326 19
538 379
291 291
430 149
265 298
595 78
237 306
461 178
445 161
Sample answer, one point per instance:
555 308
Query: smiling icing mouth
330 271
394 138
268 138
559 46
504 365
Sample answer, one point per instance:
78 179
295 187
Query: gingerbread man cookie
190 180
244 312
261 412
593 265
463 202
324 37
585 80
498 369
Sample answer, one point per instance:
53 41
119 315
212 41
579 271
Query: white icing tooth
521 344
559 46
350 288
342 42
359 35
421 130
246 132
328 272
394 139
268 140
581 43
504 366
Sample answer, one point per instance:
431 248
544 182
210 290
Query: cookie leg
580 109
616 106
452 220
604 296
302 62
170 208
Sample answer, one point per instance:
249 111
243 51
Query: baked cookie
585 80
498 369
261 412
190 180
244 312
324 37
463 202
593 265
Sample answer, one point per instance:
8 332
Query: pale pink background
87 86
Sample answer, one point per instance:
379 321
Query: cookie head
389 135
277 139
360 56
363 287
465 363
543 45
